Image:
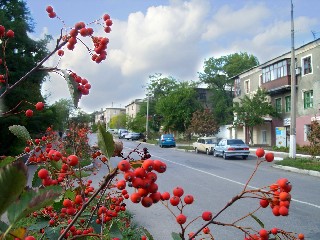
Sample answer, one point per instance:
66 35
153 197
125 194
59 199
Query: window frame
309 69
287 103
308 99
278 106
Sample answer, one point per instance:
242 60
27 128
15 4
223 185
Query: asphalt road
213 182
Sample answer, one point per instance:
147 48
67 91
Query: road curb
297 170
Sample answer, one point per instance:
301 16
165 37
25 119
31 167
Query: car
231 148
167 140
113 131
205 144
122 133
133 136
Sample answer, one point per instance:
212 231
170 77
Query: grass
301 163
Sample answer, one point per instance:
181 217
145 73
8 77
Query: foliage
177 107
251 110
203 123
137 124
62 108
27 52
314 138
118 121
217 74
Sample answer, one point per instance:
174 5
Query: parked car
113 131
122 133
133 136
231 148
205 144
167 140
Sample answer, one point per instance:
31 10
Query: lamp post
147 118
292 148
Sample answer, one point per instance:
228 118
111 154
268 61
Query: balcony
278 86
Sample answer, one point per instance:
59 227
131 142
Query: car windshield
234 141
209 141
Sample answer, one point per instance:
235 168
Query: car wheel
196 150
225 156
207 151
244 157
214 153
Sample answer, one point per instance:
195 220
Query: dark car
167 140
133 136
231 148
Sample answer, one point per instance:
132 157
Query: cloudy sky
171 37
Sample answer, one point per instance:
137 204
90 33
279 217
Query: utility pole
147 119
292 147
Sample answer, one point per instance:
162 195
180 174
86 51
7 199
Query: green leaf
257 220
176 236
56 165
32 201
3 226
41 223
69 194
105 141
115 231
36 181
52 233
6 161
147 233
13 179
20 131
73 88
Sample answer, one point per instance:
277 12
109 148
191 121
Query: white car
205 144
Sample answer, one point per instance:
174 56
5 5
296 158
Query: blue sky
169 37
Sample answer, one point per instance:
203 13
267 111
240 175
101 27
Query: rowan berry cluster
4 35
82 84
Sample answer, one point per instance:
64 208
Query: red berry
178 191
274 231
60 52
52 15
106 17
146 201
174 200
73 160
206 230
165 196
39 106
30 238
121 184
264 203
269 157
148 165
10 34
29 113
283 211
260 152
181 219
67 203
159 166
300 236
49 9
2 30
188 199
124 165
263 233
135 197
43 173
206 216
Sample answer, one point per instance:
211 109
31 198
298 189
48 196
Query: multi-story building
133 108
275 77
104 116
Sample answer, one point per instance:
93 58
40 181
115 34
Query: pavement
278 156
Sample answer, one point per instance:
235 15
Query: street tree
203 123
137 123
314 138
27 53
63 109
118 121
217 74
252 109
178 106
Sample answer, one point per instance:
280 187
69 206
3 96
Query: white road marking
233 181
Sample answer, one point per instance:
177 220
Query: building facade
133 108
275 77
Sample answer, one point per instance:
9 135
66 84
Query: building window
264 136
237 87
275 71
288 103
308 99
307 65
278 105
247 86
306 131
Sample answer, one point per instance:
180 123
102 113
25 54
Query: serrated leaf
105 141
56 165
257 220
3 226
42 223
73 88
7 161
13 179
52 233
32 201
115 231
176 236
20 132
69 194
36 181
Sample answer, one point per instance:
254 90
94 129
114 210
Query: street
213 182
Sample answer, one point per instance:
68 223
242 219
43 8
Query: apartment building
275 77
133 107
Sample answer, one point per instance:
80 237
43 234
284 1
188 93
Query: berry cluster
142 179
4 36
38 106
83 84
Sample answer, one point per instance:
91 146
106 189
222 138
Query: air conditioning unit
298 70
